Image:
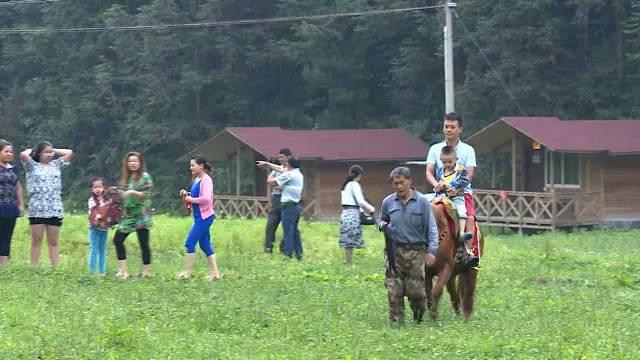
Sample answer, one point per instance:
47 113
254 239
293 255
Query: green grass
547 296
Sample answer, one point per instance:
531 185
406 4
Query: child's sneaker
471 261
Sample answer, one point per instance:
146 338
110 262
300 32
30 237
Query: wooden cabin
325 157
547 173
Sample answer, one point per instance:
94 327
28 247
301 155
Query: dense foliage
161 92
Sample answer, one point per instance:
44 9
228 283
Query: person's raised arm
270 166
65 154
25 155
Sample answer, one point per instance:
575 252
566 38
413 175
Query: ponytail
202 161
354 172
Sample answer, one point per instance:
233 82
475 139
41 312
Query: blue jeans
97 250
291 234
200 234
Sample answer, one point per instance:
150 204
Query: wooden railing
537 210
252 207
245 207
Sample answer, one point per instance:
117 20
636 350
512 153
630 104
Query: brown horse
462 284
445 259
459 280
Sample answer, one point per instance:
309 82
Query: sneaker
471 261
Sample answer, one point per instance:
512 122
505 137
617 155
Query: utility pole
448 59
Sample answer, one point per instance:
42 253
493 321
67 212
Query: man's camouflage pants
409 280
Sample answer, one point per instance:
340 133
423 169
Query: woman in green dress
135 193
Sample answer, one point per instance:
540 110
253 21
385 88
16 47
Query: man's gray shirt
412 222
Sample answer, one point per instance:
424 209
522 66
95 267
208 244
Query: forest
163 91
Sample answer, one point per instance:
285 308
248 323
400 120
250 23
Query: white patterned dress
44 187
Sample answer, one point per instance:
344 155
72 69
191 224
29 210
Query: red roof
612 136
360 144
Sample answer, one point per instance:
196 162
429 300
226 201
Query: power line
19 2
486 59
218 23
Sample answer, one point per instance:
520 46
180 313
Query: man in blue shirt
452 127
411 239
275 209
291 183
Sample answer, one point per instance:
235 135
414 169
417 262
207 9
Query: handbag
106 215
365 219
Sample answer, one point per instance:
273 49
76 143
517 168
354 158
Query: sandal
183 275
122 275
212 277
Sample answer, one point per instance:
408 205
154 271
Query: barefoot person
11 200
201 200
135 192
43 165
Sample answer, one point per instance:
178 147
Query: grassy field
548 296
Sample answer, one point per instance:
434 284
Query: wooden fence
537 210
252 207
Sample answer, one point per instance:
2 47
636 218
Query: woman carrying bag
354 209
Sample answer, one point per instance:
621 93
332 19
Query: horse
462 283
459 280
445 258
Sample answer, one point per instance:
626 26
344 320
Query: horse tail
466 289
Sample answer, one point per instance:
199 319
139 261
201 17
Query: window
566 170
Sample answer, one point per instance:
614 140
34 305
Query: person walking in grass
411 240
291 180
135 193
201 200
43 165
353 201
98 228
11 200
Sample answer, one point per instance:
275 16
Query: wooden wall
618 179
324 180
622 187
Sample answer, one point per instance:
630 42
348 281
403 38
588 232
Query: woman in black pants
11 200
135 192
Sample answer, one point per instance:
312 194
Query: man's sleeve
432 230
283 178
384 213
471 158
431 156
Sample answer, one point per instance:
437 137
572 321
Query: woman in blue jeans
291 182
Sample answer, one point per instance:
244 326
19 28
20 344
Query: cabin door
534 170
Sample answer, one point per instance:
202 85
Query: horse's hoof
433 315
